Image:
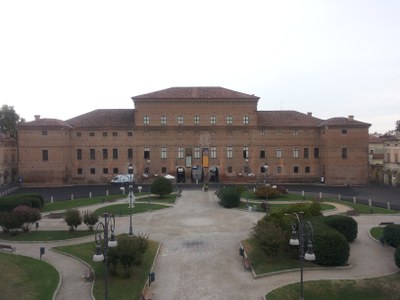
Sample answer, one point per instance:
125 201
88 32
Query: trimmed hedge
344 224
8 203
391 234
229 197
330 246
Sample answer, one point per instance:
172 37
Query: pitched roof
195 93
45 122
104 117
342 121
286 118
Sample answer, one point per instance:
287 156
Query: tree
9 120
90 219
73 219
26 216
397 126
161 186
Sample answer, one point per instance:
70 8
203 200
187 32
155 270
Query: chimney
37 117
351 118
309 114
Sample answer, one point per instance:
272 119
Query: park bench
147 293
246 264
88 275
385 223
7 248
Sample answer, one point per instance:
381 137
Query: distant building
8 159
384 159
197 134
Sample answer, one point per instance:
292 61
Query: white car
123 179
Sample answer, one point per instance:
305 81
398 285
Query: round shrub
269 236
344 224
397 256
391 234
262 190
330 246
229 197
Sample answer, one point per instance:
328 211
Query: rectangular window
396 158
146 120
45 155
278 153
163 120
79 171
130 153
105 170
196 120
229 119
344 131
295 169
92 154
79 154
306 153
91 133
295 153
163 170
245 120
44 132
115 133
213 120
196 152
180 152
279 170
146 153
262 153
180 120
307 170
229 152
115 153
344 153
115 170
163 152
92 171
213 152
316 152
105 134
245 152
295 132
230 169
130 133
105 153
79 134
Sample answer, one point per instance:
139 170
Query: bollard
303 195
339 197
72 196
388 206
354 199
107 193
41 252
369 202
90 195
51 199
320 195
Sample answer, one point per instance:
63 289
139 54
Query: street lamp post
266 186
131 199
109 224
306 234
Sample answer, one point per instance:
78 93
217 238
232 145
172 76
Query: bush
330 246
229 197
397 256
8 221
262 190
161 186
391 235
90 219
73 219
344 224
26 216
269 236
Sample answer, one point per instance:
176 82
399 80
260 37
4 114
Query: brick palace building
204 134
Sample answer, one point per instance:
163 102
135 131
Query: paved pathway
199 257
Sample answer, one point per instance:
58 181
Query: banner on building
205 157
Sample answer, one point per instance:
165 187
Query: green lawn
364 209
69 204
377 232
26 278
119 210
119 287
366 289
278 207
45 235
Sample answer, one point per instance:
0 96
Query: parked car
123 179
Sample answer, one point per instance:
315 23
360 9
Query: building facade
8 159
197 134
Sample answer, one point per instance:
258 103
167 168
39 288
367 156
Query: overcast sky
334 58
